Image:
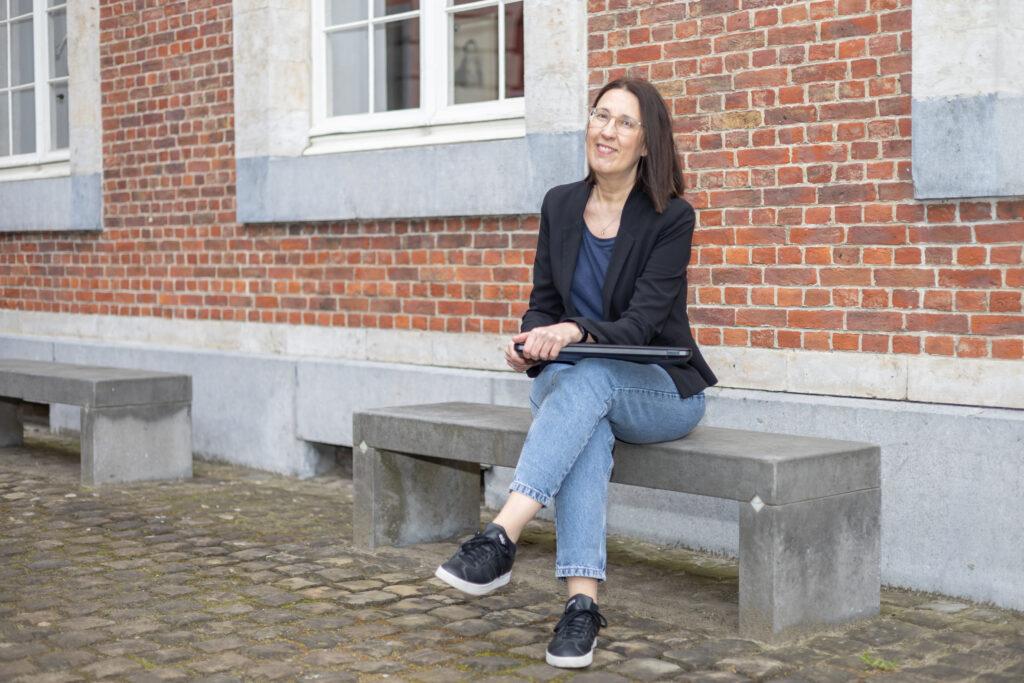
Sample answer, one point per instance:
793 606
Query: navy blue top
588 280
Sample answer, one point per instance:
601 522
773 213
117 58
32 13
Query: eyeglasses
599 118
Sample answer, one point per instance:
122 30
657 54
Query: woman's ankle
517 511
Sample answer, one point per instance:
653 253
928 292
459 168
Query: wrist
581 330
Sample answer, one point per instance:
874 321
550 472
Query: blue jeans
578 412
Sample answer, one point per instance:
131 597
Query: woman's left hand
545 343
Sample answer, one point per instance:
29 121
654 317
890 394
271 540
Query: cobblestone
244 575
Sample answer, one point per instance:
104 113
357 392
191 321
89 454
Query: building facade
317 206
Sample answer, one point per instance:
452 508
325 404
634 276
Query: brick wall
793 119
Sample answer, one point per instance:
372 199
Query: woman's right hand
514 360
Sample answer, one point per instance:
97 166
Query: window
386 64
33 81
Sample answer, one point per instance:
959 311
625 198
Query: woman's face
614 148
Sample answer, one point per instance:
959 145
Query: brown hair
658 173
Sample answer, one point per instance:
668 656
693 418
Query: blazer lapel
572 237
620 252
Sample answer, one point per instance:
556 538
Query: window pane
475 55
58 44
5 148
59 115
344 11
21 7
396 47
24 119
3 9
21 52
348 82
57 3
3 55
384 7
514 44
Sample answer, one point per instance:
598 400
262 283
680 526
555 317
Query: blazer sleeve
545 302
655 291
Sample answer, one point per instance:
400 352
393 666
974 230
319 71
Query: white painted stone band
928 379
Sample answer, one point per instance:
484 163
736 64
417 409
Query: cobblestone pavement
242 575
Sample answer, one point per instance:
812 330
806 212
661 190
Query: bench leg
807 565
405 499
136 443
11 429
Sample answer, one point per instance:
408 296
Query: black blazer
644 291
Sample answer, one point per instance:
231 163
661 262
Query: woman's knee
591 373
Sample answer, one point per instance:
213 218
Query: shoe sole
472 588
571 662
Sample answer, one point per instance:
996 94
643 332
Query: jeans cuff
577 570
530 492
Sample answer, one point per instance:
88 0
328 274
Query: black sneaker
575 634
482 564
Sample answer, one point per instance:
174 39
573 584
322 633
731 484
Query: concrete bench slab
136 424
809 515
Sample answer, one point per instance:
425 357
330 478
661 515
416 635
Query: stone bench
809 507
136 424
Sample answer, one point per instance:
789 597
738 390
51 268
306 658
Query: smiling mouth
604 149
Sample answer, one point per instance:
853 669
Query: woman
610 268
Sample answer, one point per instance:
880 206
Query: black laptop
669 355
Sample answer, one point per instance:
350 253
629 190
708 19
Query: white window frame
433 112
42 81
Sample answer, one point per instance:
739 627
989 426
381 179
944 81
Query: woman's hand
541 343
514 360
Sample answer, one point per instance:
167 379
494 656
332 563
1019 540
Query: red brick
875 321
1005 302
819 153
736 276
789 196
844 341
971 301
938 346
940 234
970 278
906 344
821 320
734 198
784 116
790 276
971 256
876 234
631 55
761 78
846 28
1010 210
739 41
936 322
825 235
1004 325
687 48
761 317
763 156
1004 232
906 298
709 160
816 73
831 277
904 278
1008 349
848 110
791 35
1006 255
704 315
